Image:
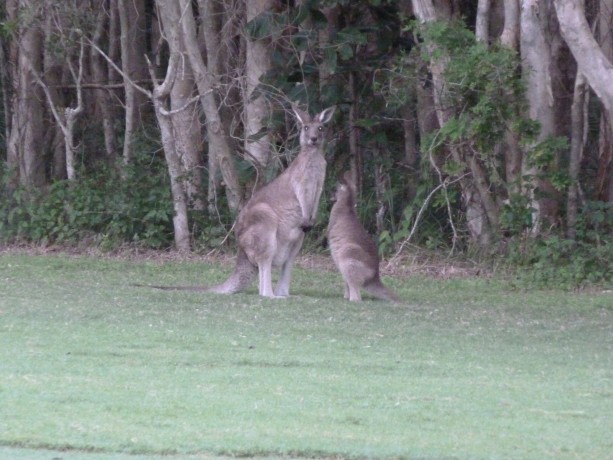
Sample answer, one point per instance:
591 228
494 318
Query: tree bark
510 32
211 31
5 90
513 155
576 150
218 142
475 193
186 117
161 93
129 90
25 143
537 65
604 176
256 107
66 117
102 96
482 28
598 70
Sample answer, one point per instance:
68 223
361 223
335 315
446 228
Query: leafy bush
103 207
556 261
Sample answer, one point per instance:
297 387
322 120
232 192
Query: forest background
480 128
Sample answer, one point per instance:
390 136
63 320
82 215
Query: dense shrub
103 208
557 261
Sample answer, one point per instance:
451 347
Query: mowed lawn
92 367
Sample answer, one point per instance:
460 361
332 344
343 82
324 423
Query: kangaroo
270 228
353 250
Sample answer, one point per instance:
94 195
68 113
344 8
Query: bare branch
146 92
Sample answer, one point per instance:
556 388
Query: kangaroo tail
243 275
377 289
239 280
173 288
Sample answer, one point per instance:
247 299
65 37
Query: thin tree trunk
482 29
537 67
218 141
210 34
66 117
576 150
411 152
592 61
355 153
381 188
129 90
186 123
102 96
5 89
605 137
25 143
161 93
55 76
256 107
513 155
510 32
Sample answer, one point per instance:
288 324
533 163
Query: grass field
94 368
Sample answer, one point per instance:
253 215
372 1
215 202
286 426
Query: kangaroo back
353 250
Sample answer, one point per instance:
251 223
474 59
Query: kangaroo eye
321 128
306 128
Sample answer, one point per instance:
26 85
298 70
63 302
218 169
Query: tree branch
146 92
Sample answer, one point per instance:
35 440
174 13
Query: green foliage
103 208
481 85
516 215
545 156
556 261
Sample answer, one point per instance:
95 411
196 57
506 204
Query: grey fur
353 249
270 228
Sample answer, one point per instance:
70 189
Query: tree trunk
54 68
605 137
513 155
129 90
474 192
598 70
256 107
537 65
161 92
5 90
25 143
482 29
102 97
510 32
576 150
211 31
218 142
411 151
185 117
355 153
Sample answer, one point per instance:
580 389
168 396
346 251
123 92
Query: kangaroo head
313 129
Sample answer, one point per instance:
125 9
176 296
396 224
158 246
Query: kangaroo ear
303 117
326 115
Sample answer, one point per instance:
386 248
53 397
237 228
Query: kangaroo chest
308 181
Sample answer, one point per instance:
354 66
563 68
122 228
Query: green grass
94 368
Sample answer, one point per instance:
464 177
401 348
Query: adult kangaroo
270 228
353 250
